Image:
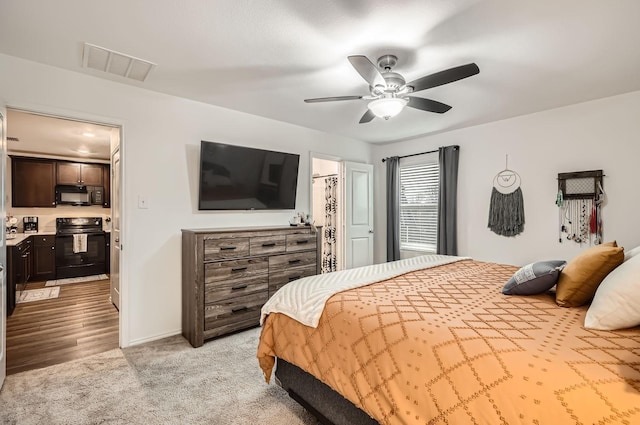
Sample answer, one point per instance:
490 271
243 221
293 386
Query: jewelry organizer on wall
580 200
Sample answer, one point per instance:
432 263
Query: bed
441 344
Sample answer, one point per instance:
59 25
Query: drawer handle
227 248
292 278
302 241
294 261
238 269
239 309
235 288
269 244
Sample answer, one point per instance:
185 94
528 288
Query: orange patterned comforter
443 345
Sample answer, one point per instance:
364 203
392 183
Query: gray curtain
393 208
448 200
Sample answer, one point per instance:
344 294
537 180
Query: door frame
55 112
3 246
341 201
317 155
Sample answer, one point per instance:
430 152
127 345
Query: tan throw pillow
580 278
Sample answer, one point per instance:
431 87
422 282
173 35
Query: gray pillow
534 278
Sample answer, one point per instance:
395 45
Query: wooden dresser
229 273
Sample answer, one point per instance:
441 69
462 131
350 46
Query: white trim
3 245
154 337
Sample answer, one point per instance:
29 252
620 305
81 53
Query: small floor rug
31 295
81 279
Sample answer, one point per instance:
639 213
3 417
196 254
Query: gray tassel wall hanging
506 210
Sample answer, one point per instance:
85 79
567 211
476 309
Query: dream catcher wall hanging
580 200
506 210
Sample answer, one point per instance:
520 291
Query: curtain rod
416 154
413 154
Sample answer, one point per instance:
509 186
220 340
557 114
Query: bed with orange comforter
443 345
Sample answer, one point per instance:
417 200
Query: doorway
327 210
76 317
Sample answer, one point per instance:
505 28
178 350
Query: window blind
419 185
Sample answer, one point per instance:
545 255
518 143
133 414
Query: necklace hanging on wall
506 209
580 200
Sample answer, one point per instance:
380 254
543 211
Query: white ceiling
265 57
49 136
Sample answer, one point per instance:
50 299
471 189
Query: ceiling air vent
112 62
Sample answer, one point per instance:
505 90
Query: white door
115 230
358 221
3 257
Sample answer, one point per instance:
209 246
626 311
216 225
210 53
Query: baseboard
154 338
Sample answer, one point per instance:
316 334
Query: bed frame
318 398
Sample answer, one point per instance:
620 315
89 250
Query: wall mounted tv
241 178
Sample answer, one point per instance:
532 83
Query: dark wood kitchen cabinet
33 182
19 270
44 257
76 173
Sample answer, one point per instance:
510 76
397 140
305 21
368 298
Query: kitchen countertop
22 236
19 237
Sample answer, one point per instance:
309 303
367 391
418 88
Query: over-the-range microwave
79 195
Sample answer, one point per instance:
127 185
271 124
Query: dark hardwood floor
80 322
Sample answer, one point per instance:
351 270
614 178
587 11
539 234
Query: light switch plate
143 202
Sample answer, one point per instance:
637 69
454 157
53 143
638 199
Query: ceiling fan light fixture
387 107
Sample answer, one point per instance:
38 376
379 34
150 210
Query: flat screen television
241 178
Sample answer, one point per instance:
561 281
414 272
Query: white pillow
616 304
631 253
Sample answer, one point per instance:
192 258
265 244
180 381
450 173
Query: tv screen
241 178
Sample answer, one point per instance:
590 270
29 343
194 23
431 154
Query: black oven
80 247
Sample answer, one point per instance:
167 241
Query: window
419 186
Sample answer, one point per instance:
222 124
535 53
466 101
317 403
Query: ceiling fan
390 92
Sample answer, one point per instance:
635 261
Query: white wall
602 134
160 150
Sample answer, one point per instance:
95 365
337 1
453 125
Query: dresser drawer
261 245
219 249
231 271
277 279
233 314
301 242
286 261
233 278
219 292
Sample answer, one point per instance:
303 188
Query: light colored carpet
163 382
81 279
31 295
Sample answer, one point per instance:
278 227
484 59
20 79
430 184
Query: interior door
3 256
115 230
358 221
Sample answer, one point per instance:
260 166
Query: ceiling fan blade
444 77
428 105
367 70
368 116
332 99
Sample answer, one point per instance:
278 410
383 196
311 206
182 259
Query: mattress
443 345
